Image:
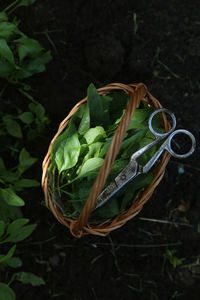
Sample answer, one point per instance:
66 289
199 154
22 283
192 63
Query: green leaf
6 52
6 293
27 47
9 197
94 134
21 234
3 17
2 166
8 212
6 29
26 277
15 226
26 2
85 121
131 144
118 166
90 166
109 209
12 127
117 105
94 151
2 227
10 176
25 160
105 147
37 64
26 117
39 111
68 150
26 183
95 106
140 118
4 258
14 262
6 69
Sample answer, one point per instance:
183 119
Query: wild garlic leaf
109 209
95 106
92 165
67 153
105 147
94 134
129 142
85 120
93 150
140 118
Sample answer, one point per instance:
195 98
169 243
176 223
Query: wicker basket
80 226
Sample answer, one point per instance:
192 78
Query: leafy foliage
20 56
79 152
6 293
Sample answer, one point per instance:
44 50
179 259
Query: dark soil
154 42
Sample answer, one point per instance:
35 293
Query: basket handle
137 92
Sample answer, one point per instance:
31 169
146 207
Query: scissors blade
128 173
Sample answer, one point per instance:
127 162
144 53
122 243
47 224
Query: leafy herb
79 152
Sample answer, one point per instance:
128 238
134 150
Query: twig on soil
165 222
141 246
157 59
114 254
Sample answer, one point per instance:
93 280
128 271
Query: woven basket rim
138 92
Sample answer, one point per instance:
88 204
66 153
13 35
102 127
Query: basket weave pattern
79 227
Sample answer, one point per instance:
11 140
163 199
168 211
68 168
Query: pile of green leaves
79 152
20 56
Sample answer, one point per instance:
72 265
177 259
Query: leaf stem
11 6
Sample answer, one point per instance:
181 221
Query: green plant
79 152
13 227
33 121
20 56
174 260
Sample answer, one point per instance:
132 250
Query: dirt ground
154 42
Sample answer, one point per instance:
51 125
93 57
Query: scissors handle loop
173 119
169 142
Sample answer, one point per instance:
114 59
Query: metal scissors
134 169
